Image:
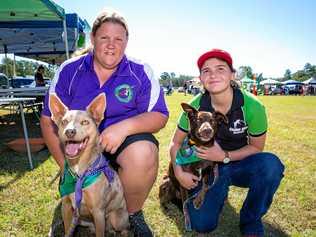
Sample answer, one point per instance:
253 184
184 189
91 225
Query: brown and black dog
102 202
203 127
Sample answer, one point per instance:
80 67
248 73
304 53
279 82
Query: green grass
28 205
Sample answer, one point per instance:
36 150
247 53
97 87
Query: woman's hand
213 153
186 179
112 137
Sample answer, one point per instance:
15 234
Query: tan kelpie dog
98 194
203 127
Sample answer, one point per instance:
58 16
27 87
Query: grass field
28 205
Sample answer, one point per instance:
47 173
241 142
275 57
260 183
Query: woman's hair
109 16
80 52
235 84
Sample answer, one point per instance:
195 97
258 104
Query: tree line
307 72
167 79
24 68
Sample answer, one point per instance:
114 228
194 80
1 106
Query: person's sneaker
139 226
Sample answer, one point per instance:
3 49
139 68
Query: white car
181 89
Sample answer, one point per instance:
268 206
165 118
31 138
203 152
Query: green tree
24 68
287 75
300 76
245 71
165 76
313 71
310 70
179 81
7 67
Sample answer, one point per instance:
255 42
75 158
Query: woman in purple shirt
135 109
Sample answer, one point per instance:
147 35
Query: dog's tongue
72 149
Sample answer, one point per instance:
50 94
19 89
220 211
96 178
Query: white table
29 92
20 101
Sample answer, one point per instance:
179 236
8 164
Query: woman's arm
216 153
150 122
186 179
49 131
113 136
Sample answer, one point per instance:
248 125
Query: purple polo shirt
131 90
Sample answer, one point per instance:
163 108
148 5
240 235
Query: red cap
216 53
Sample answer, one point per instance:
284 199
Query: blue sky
268 35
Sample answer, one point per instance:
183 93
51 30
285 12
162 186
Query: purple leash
99 165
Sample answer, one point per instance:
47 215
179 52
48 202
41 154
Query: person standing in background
39 76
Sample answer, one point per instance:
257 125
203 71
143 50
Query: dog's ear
57 108
97 108
188 108
220 118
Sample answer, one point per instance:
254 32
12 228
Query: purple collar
99 165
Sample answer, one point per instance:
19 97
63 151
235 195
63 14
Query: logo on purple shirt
124 93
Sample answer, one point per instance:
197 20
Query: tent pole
14 70
6 59
66 38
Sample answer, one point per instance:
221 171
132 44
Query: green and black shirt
246 117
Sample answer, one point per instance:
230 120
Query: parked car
295 89
4 81
46 80
278 90
181 89
20 82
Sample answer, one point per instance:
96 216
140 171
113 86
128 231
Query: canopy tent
41 40
311 80
246 80
36 29
292 82
30 10
270 82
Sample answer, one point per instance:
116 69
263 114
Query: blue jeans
261 173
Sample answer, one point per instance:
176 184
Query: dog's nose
70 133
206 130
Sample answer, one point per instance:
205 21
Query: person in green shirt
238 150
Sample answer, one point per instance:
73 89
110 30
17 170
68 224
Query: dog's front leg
99 221
67 213
184 194
198 200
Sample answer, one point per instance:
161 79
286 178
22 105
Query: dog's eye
84 122
64 122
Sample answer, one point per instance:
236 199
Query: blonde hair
109 15
83 51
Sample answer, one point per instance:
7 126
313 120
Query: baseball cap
216 53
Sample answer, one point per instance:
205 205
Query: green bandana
69 179
186 154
